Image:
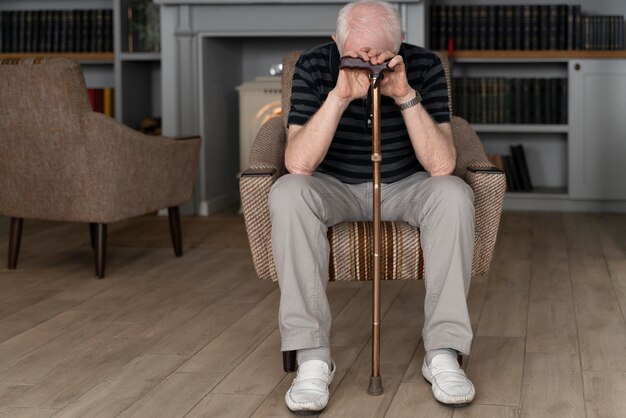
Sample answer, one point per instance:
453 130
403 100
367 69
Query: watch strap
409 104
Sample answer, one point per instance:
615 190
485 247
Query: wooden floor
197 336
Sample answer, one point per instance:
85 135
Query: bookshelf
566 175
135 77
138 73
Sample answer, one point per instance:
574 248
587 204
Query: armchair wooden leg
15 240
92 234
177 240
289 361
101 249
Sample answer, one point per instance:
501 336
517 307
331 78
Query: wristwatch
412 102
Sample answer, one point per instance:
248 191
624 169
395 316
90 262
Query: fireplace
259 101
209 47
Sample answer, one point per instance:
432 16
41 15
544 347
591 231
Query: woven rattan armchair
347 256
60 161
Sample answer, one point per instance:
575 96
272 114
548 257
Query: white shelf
540 56
140 56
520 128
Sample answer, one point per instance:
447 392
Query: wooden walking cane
376 74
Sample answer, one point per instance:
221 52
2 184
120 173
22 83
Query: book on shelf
144 26
497 100
33 31
101 100
515 169
521 168
524 27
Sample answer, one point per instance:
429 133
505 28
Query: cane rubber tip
376 386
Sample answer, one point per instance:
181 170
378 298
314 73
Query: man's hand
352 83
394 83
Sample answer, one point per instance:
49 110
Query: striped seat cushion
352 251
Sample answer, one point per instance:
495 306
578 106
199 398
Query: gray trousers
303 207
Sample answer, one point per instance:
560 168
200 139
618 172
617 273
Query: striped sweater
348 158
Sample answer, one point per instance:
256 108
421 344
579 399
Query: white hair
383 18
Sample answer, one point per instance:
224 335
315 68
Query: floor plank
415 399
27 412
495 368
552 386
551 316
602 342
123 388
487 411
174 396
504 314
225 351
226 405
604 394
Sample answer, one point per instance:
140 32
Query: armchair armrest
184 138
488 184
469 151
485 170
268 149
266 166
138 173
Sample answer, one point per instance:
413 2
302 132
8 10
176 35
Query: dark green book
527 28
545 27
521 168
511 174
459 34
434 26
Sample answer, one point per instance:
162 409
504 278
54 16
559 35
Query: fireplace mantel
210 46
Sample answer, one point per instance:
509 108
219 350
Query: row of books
515 169
511 100
524 27
56 30
101 100
144 26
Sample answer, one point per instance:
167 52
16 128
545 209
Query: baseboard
212 206
564 204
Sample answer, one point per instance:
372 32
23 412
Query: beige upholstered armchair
348 256
60 161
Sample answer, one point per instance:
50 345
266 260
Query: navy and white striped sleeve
435 92
305 98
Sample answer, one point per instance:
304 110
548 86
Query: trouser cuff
301 340
460 345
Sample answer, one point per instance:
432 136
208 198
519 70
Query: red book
92 98
98 101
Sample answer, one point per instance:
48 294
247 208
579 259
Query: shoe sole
453 405
306 413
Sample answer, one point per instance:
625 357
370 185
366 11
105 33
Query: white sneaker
309 390
448 380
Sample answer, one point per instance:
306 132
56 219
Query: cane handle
359 64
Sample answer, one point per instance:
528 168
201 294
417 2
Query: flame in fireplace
269 111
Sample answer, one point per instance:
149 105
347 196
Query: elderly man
330 181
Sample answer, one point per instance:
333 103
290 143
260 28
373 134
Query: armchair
348 256
60 161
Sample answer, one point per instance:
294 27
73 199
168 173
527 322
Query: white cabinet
597 139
